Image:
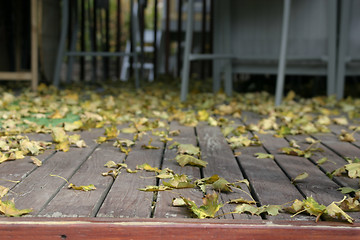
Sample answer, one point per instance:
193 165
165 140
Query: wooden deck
119 207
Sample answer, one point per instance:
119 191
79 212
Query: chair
349 44
277 37
71 53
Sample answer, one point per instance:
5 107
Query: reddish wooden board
106 229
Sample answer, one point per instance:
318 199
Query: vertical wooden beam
179 38
34 44
167 37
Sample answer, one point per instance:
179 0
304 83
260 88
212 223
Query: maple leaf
190 160
210 207
188 149
222 185
8 209
352 169
179 181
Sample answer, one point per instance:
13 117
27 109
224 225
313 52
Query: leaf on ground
294 144
346 190
210 207
155 188
351 204
222 185
352 170
190 160
86 188
174 132
59 135
3 191
240 201
149 146
69 127
8 209
63 146
300 177
263 155
179 182
36 161
123 142
346 137
322 161
310 140
188 149
178 202
272 210
335 211
148 168
341 121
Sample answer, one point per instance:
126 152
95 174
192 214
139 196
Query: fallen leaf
210 207
155 188
36 161
8 209
3 191
240 201
178 202
263 155
86 188
148 168
299 177
188 149
190 160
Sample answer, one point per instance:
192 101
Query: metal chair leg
187 50
61 49
282 59
73 43
343 38
331 64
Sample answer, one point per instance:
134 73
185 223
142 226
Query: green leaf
346 190
222 185
8 209
188 149
264 155
299 177
179 181
240 201
184 160
148 168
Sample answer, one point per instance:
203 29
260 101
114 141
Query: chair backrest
256 29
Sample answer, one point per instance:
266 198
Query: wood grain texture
124 199
37 189
164 208
72 203
221 160
174 229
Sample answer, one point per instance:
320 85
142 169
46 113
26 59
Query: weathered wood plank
71 203
174 229
37 189
221 160
336 129
124 199
17 170
334 161
164 208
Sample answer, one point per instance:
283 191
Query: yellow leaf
3 191
87 188
341 121
299 177
190 160
59 135
8 209
36 161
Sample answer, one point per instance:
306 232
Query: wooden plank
71 203
164 208
334 161
37 189
184 229
124 199
221 160
17 170
15 76
344 149
336 129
